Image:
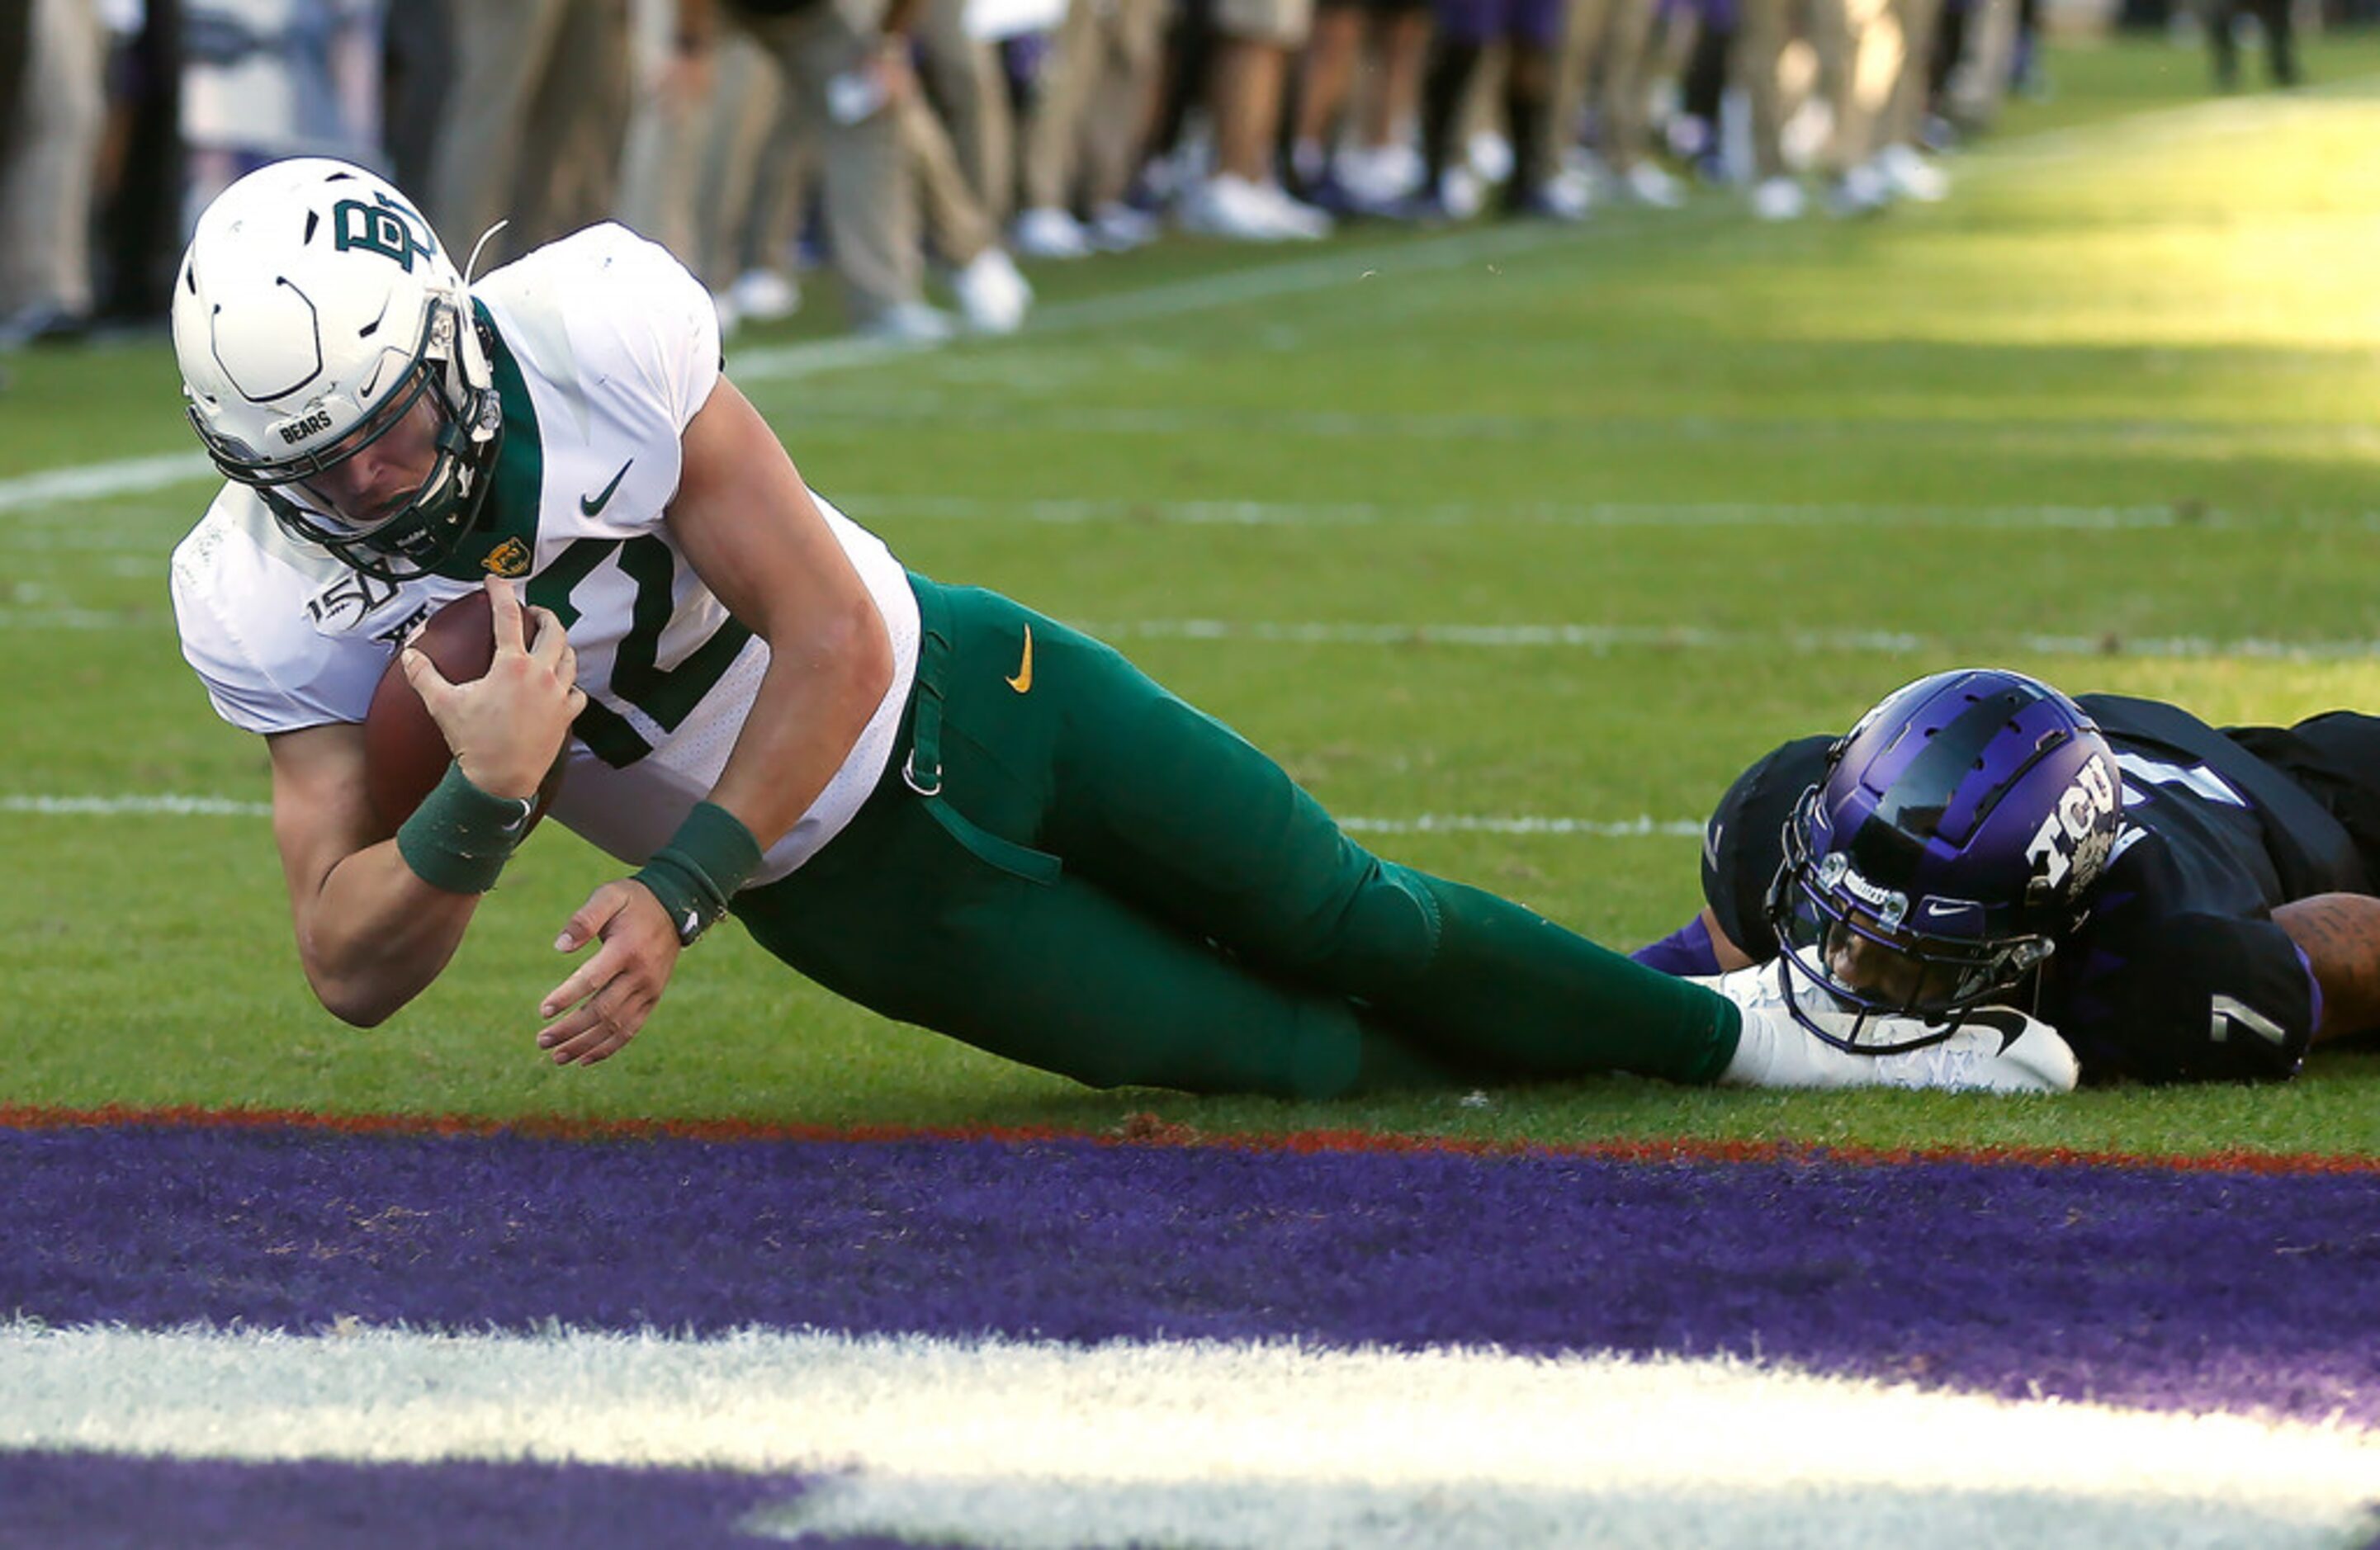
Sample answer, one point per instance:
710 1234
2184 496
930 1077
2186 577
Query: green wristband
696 876
460 837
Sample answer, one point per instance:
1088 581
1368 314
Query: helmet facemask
1957 833
413 536
1861 945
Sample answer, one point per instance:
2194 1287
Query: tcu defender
926 798
2183 904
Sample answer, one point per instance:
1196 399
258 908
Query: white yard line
1602 639
1641 826
135 806
96 481
1603 513
1599 638
87 538
1037 1446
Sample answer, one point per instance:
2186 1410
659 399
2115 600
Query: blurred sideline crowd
917 146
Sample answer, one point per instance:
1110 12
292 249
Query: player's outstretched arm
370 935
748 524
371 932
2339 934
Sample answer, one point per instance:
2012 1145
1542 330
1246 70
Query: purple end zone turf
70 1501
2139 1287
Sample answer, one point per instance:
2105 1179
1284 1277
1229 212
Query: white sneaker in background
992 294
1461 193
1779 198
909 322
1228 205
1375 181
1302 222
1803 138
1859 190
1910 175
1490 155
1568 195
1648 184
1048 232
1996 1049
766 296
1117 227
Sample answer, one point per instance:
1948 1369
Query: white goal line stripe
1042 1446
1645 826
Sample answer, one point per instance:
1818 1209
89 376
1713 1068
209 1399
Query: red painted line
1148 1130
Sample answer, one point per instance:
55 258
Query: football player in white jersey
928 798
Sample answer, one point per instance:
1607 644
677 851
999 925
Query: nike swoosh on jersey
1023 679
592 505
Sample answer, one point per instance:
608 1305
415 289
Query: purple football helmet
1956 835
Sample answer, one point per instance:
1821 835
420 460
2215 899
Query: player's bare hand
593 1014
507 726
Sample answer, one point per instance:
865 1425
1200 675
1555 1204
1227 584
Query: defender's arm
2339 934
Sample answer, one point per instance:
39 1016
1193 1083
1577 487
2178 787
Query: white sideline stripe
791 362
1327 271
809 358
1428 823
1035 1446
2158 127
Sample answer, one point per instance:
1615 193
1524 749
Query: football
405 754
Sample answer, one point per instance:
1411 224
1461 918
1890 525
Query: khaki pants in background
1763 29
1900 105
1606 58
47 161
1085 133
1979 81
692 172
534 121
970 88
871 171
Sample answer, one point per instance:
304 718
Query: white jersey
606 349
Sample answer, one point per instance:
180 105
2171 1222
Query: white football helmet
314 311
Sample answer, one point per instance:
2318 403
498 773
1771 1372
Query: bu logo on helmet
386 228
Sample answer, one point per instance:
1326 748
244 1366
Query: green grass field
1493 524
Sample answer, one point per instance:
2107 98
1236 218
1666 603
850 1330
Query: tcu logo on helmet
386 228
2071 845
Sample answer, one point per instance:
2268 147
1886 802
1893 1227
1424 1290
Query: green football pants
1069 866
